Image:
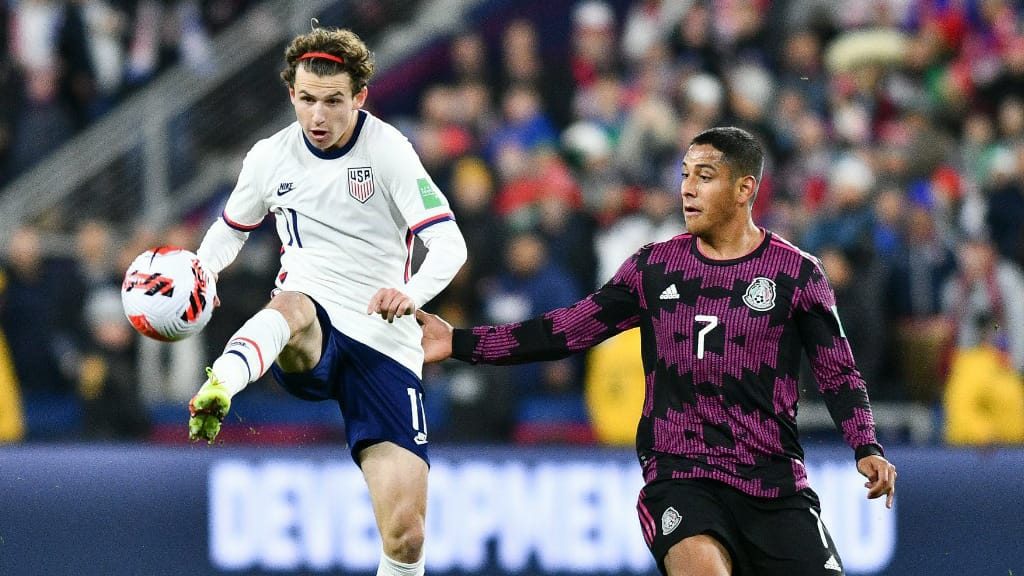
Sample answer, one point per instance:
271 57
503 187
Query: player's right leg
687 528
286 327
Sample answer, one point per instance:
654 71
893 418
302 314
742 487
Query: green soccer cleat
207 409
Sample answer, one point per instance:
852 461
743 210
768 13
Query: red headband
324 55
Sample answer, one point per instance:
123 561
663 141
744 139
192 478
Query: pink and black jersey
721 347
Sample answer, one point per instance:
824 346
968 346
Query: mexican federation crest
760 294
360 183
670 520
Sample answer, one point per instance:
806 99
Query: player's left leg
397 480
787 537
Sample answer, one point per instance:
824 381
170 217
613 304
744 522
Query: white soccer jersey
346 219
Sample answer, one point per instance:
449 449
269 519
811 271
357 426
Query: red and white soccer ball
167 295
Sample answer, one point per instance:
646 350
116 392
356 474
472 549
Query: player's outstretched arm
437 337
881 475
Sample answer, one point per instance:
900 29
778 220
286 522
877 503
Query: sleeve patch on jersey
427 193
360 183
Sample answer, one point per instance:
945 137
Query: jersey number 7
707 338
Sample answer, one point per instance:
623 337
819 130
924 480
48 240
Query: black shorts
764 537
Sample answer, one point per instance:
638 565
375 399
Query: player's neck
344 140
729 243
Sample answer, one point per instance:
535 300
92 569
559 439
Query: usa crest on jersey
360 183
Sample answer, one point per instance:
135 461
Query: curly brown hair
340 42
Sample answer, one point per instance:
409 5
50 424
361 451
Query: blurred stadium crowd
895 132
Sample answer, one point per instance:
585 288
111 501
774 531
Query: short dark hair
740 150
340 42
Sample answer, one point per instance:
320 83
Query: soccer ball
167 295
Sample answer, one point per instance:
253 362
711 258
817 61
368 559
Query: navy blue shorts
380 399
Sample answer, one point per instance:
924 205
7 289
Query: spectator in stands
590 150
562 223
659 219
472 195
648 23
987 287
41 116
96 261
77 73
34 295
847 221
647 140
440 137
803 176
920 269
107 381
469 59
532 284
694 41
522 64
475 113
890 213
1005 211
922 334
105 39
603 102
524 122
1009 81
529 177
751 97
800 69
594 48
702 99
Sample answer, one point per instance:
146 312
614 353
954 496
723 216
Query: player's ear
360 97
745 188
291 94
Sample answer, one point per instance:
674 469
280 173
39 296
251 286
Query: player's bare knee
700 555
298 310
403 538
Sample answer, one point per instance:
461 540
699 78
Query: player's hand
391 303
213 276
437 337
881 477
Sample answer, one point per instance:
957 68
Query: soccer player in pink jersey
725 311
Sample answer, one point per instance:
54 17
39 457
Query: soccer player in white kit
348 194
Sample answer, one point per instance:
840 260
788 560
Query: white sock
251 350
389 567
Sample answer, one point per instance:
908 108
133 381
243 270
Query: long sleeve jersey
721 343
346 219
